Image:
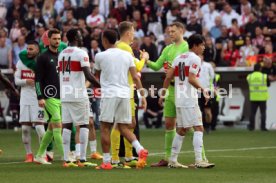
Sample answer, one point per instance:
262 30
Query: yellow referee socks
128 148
115 144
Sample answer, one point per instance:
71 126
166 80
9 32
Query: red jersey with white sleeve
27 94
185 94
72 79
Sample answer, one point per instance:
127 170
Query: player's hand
206 95
41 103
144 55
30 82
144 103
161 101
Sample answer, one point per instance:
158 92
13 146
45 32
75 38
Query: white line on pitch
220 150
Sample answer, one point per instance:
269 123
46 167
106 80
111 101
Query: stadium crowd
234 30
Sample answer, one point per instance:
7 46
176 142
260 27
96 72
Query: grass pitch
240 157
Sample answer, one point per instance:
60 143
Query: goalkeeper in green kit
170 52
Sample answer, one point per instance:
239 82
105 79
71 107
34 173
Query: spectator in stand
228 14
242 6
173 13
149 47
95 18
70 19
247 50
270 25
93 50
48 11
237 37
120 13
194 26
210 51
251 25
18 47
194 11
210 17
6 54
222 40
258 41
259 10
230 54
3 11
84 10
37 19
141 24
136 47
161 11
138 32
244 18
15 31
15 11
27 33
216 29
28 17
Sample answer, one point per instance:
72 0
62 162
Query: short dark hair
195 39
53 31
178 25
71 35
257 67
110 35
124 26
33 42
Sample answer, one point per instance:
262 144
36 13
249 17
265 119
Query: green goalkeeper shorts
169 105
53 110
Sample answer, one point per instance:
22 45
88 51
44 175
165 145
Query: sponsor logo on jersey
27 74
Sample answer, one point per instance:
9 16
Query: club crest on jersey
86 59
194 66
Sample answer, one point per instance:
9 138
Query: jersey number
40 114
181 71
66 66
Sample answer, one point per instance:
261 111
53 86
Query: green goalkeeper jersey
166 58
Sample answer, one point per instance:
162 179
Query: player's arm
90 77
156 66
85 66
39 75
139 86
166 84
8 84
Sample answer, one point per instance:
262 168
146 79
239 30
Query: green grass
240 157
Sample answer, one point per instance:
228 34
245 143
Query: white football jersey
185 94
27 94
207 75
114 65
72 79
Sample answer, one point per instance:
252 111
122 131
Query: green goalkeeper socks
168 142
58 139
47 138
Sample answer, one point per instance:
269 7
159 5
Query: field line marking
220 150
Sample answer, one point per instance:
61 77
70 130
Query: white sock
40 130
198 143
176 146
77 153
66 138
26 138
93 146
106 157
84 132
138 147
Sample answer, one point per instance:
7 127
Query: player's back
206 74
114 65
72 79
186 95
